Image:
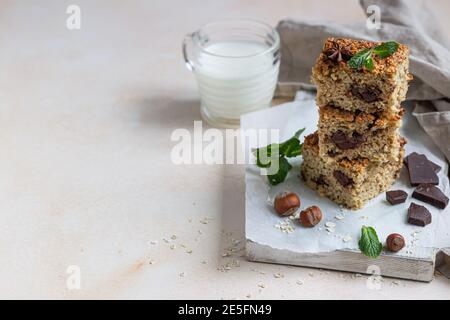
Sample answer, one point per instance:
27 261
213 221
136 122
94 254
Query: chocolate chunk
343 142
420 171
332 153
432 195
418 215
368 94
436 168
320 180
358 138
396 196
342 178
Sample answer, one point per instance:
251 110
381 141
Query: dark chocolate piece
342 178
343 142
436 167
396 196
418 215
332 153
432 195
368 94
320 180
420 171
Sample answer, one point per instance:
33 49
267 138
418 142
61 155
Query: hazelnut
310 216
395 242
286 203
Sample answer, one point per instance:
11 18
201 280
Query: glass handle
186 42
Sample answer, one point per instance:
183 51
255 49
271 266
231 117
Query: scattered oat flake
346 238
153 242
330 224
300 282
262 285
248 296
172 246
205 220
189 251
182 274
151 262
311 274
278 275
173 237
339 217
285 226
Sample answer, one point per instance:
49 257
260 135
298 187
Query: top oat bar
379 90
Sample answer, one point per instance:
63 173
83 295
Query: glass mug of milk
236 64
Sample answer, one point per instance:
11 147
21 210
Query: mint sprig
364 58
386 49
368 242
279 152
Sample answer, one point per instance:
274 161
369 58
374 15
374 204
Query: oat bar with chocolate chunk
350 183
379 90
345 134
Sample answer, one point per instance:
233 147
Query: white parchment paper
261 220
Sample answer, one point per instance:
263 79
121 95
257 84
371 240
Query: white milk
235 78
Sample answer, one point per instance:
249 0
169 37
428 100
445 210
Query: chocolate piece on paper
420 171
396 196
418 215
432 195
436 167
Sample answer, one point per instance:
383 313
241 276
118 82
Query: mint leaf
280 176
291 148
368 64
386 49
299 133
369 243
279 152
364 57
359 59
264 155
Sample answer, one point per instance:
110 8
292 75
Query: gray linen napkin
408 22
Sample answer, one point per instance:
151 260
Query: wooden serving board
419 266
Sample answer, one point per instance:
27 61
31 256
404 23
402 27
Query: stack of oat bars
357 151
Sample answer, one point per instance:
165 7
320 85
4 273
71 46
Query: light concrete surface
86 177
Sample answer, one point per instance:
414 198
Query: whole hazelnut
286 203
310 216
395 242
